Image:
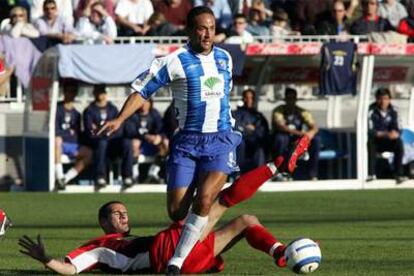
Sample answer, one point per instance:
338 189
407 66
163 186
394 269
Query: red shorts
201 258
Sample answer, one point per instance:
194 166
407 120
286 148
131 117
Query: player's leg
257 236
99 160
127 161
83 157
248 183
197 219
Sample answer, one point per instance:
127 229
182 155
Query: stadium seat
333 154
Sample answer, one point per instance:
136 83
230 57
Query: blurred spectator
67 140
337 24
289 122
238 33
384 134
104 147
221 10
132 16
174 11
17 25
145 128
64 7
392 10
5 74
280 25
262 6
98 27
256 26
309 12
53 25
6 6
158 26
84 8
251 153
370 21
406 25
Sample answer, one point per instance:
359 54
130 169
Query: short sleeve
148 82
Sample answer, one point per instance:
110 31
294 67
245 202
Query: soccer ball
4 223
303 256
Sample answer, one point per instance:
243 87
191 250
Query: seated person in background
289 122
18 25
53 25
132 16
238 33
174 11
370 22
159 26
65 9
98 27
84 8
256 26
67 137
280 25
145 128
251 153
392 10
337 24
104 147
384 133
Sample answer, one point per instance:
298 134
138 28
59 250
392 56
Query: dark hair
99 88
280 15
247 91
105 211
382 92
239 15
47 2
290 90
194 12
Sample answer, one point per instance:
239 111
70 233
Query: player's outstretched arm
37 251
131 105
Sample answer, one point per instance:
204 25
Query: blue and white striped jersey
200 84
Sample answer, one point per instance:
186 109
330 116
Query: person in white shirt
17 24
98 27
65 9
133 15
54 26
239 34
392 10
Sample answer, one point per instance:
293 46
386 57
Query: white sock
154 170
135 171
71 174
59 171
191 233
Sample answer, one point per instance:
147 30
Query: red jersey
124 253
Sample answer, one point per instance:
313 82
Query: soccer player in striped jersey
202 152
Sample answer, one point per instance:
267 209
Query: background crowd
238 21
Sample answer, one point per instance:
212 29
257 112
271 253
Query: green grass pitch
360 232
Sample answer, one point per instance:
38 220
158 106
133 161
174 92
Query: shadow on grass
25 272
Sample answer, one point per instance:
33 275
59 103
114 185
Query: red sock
261 239
245 186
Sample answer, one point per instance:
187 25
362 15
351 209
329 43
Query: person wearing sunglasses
17 24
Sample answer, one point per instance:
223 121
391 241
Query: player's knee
204 202
249 219
58 141
176 214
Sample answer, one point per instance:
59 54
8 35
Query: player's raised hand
109 127
35 250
